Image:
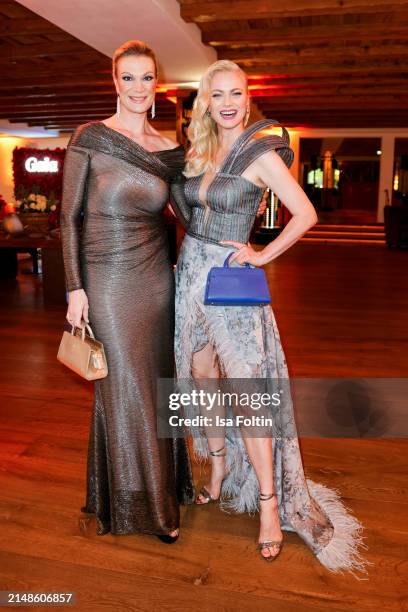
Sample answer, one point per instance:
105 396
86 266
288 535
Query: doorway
341 178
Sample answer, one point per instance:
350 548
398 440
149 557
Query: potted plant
34 210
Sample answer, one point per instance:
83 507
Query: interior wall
8 144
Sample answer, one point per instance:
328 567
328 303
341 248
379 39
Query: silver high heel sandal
269 544
203 491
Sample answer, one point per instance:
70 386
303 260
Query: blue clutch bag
241 286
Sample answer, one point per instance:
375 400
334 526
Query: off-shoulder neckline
136 144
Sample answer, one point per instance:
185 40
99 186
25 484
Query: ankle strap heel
266 496
204 491
218 453
274 544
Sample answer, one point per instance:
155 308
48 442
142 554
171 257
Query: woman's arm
76 167
178 200
271 171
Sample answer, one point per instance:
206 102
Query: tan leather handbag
80 352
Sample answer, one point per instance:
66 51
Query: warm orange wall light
7 145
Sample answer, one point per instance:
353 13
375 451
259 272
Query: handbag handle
226 262
83 328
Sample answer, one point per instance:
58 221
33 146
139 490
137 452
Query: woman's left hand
245 254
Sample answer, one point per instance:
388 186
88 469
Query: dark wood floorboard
342 311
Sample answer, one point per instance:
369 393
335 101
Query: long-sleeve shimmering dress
135 480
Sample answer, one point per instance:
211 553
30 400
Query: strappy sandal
269 544
203 491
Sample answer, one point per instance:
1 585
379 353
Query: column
294 145
386 173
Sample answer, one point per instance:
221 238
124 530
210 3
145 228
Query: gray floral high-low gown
247 344
135 480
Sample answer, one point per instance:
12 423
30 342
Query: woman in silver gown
228 170
116 175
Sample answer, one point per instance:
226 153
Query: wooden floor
342 311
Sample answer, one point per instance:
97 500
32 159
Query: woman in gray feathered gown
227 171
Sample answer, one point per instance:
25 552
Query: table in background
52 263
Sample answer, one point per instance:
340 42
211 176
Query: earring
154 109
248 112
207 112
118 105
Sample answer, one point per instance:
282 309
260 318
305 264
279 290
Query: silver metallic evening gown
135 480
247 343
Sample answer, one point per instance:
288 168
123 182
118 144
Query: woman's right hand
78 307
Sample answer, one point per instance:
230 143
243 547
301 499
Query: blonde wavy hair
202 131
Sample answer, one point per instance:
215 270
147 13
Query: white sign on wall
33 164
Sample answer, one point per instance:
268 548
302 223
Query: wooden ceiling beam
332 54
337 120
83 65
364 120
107 112
340 107
22 115
394 67
75 91
52 97
261 95
69 65
334 118
13 9
350 108
312 124
335 102
202 11
342 117
304 34
12 77
47 107
21 80
308 80
27 26
48 49
336 112
317 111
